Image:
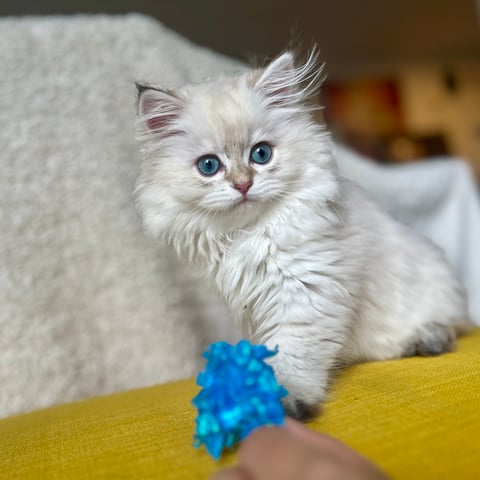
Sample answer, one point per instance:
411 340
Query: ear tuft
158 109
283 83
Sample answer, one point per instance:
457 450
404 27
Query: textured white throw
88 304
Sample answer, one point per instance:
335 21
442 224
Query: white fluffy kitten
241 180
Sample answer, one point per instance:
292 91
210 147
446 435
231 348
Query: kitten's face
227 150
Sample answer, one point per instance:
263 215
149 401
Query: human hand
294 452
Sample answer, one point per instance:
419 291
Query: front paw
301 410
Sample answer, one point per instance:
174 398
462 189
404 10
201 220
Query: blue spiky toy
240 393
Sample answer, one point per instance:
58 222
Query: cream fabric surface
88 304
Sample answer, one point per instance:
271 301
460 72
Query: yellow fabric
416 417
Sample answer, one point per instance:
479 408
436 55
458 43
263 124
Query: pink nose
243 187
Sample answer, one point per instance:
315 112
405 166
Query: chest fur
262 275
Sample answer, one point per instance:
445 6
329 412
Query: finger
319 441
332 448
313 438
272 452
232 473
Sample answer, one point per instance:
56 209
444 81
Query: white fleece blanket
88 305
438 198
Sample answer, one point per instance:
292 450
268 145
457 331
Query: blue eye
261 153
208 165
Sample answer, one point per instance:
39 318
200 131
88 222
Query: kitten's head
227 153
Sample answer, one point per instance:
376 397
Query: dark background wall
353 35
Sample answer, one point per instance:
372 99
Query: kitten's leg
303 366
310 325
425 339
432 339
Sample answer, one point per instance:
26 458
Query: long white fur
307 263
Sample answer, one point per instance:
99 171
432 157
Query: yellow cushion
416 417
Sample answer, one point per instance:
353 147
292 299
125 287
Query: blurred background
403 76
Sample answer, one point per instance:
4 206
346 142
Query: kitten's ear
158 110
274 81
284 83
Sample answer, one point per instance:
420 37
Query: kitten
241 181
